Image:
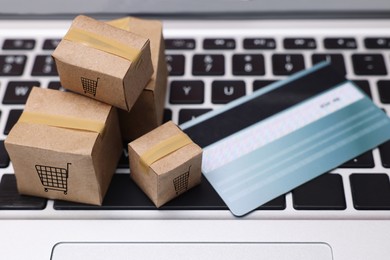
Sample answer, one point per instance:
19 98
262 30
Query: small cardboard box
103 62
147 113
65 146
165 163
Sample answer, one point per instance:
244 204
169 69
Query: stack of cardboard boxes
66 145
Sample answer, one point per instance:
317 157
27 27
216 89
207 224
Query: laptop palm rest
192 251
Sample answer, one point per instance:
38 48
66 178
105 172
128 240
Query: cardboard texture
100 74
169 176
62 163
147 113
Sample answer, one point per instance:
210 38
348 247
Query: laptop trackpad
192 251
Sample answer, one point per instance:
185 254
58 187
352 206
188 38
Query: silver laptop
341 215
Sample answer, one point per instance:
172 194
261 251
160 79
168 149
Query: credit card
263 145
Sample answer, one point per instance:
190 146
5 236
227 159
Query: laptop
341 215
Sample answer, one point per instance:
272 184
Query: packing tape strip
63 121
102 43
164 148
122 23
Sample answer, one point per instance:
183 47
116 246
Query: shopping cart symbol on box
89 85
181 182
53 178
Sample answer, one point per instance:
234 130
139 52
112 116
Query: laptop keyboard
206 73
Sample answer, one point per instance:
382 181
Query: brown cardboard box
147 113
174 163
64 163
90 61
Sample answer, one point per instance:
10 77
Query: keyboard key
299 43
50 44
219 44
278 203
384 151
10 199
12 65
189 114
369 64
44 65
287 64
259 44
175 64
204 65
56 85
179 44
167 115
370 191
365 86
4 158
258 84
124 160
13 117
337 61
340 43
363 161
248 64
325 192
19 44
186 92
223 91
377 43
17 92
384 91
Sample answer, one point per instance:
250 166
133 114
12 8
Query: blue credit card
261 146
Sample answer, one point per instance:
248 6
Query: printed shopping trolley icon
181 182
53 178
89 85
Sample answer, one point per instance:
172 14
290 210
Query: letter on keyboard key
248 64
189 114
175 64
50 44
363 161
259 43
179 44
299 43
287 64
19 44
17 91
219 44
340 43
12 65
44 65
187 92
225 91
377 43
212 64
369 64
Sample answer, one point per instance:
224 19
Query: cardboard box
147 113
103 62
165 163
65 146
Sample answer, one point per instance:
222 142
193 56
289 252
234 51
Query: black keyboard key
365 86
13 117
279 203
189 114
19 44
287 64
44 65
259 44
219 44
179 44
370 191
167 115
325 192
384 91
17 92
212 64
12 65
175 64
56 85
258 84
248 64
377 43
10 199
223 91
299 43
369 64
340 43
50 44
384 151
4 158
337 61
365 160
186 92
